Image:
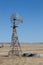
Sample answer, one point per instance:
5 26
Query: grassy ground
34 48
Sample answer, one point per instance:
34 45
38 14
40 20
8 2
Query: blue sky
31 30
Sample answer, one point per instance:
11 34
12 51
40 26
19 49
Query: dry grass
36 48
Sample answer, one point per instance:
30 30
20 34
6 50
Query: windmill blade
20 20
16 17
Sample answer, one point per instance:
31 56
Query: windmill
16 49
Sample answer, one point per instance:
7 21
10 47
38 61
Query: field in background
32 48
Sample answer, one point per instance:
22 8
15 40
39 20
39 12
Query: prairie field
27 48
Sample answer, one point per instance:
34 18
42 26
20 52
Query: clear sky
31 30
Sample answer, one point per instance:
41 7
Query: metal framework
16 49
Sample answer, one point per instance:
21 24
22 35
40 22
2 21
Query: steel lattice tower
16 49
